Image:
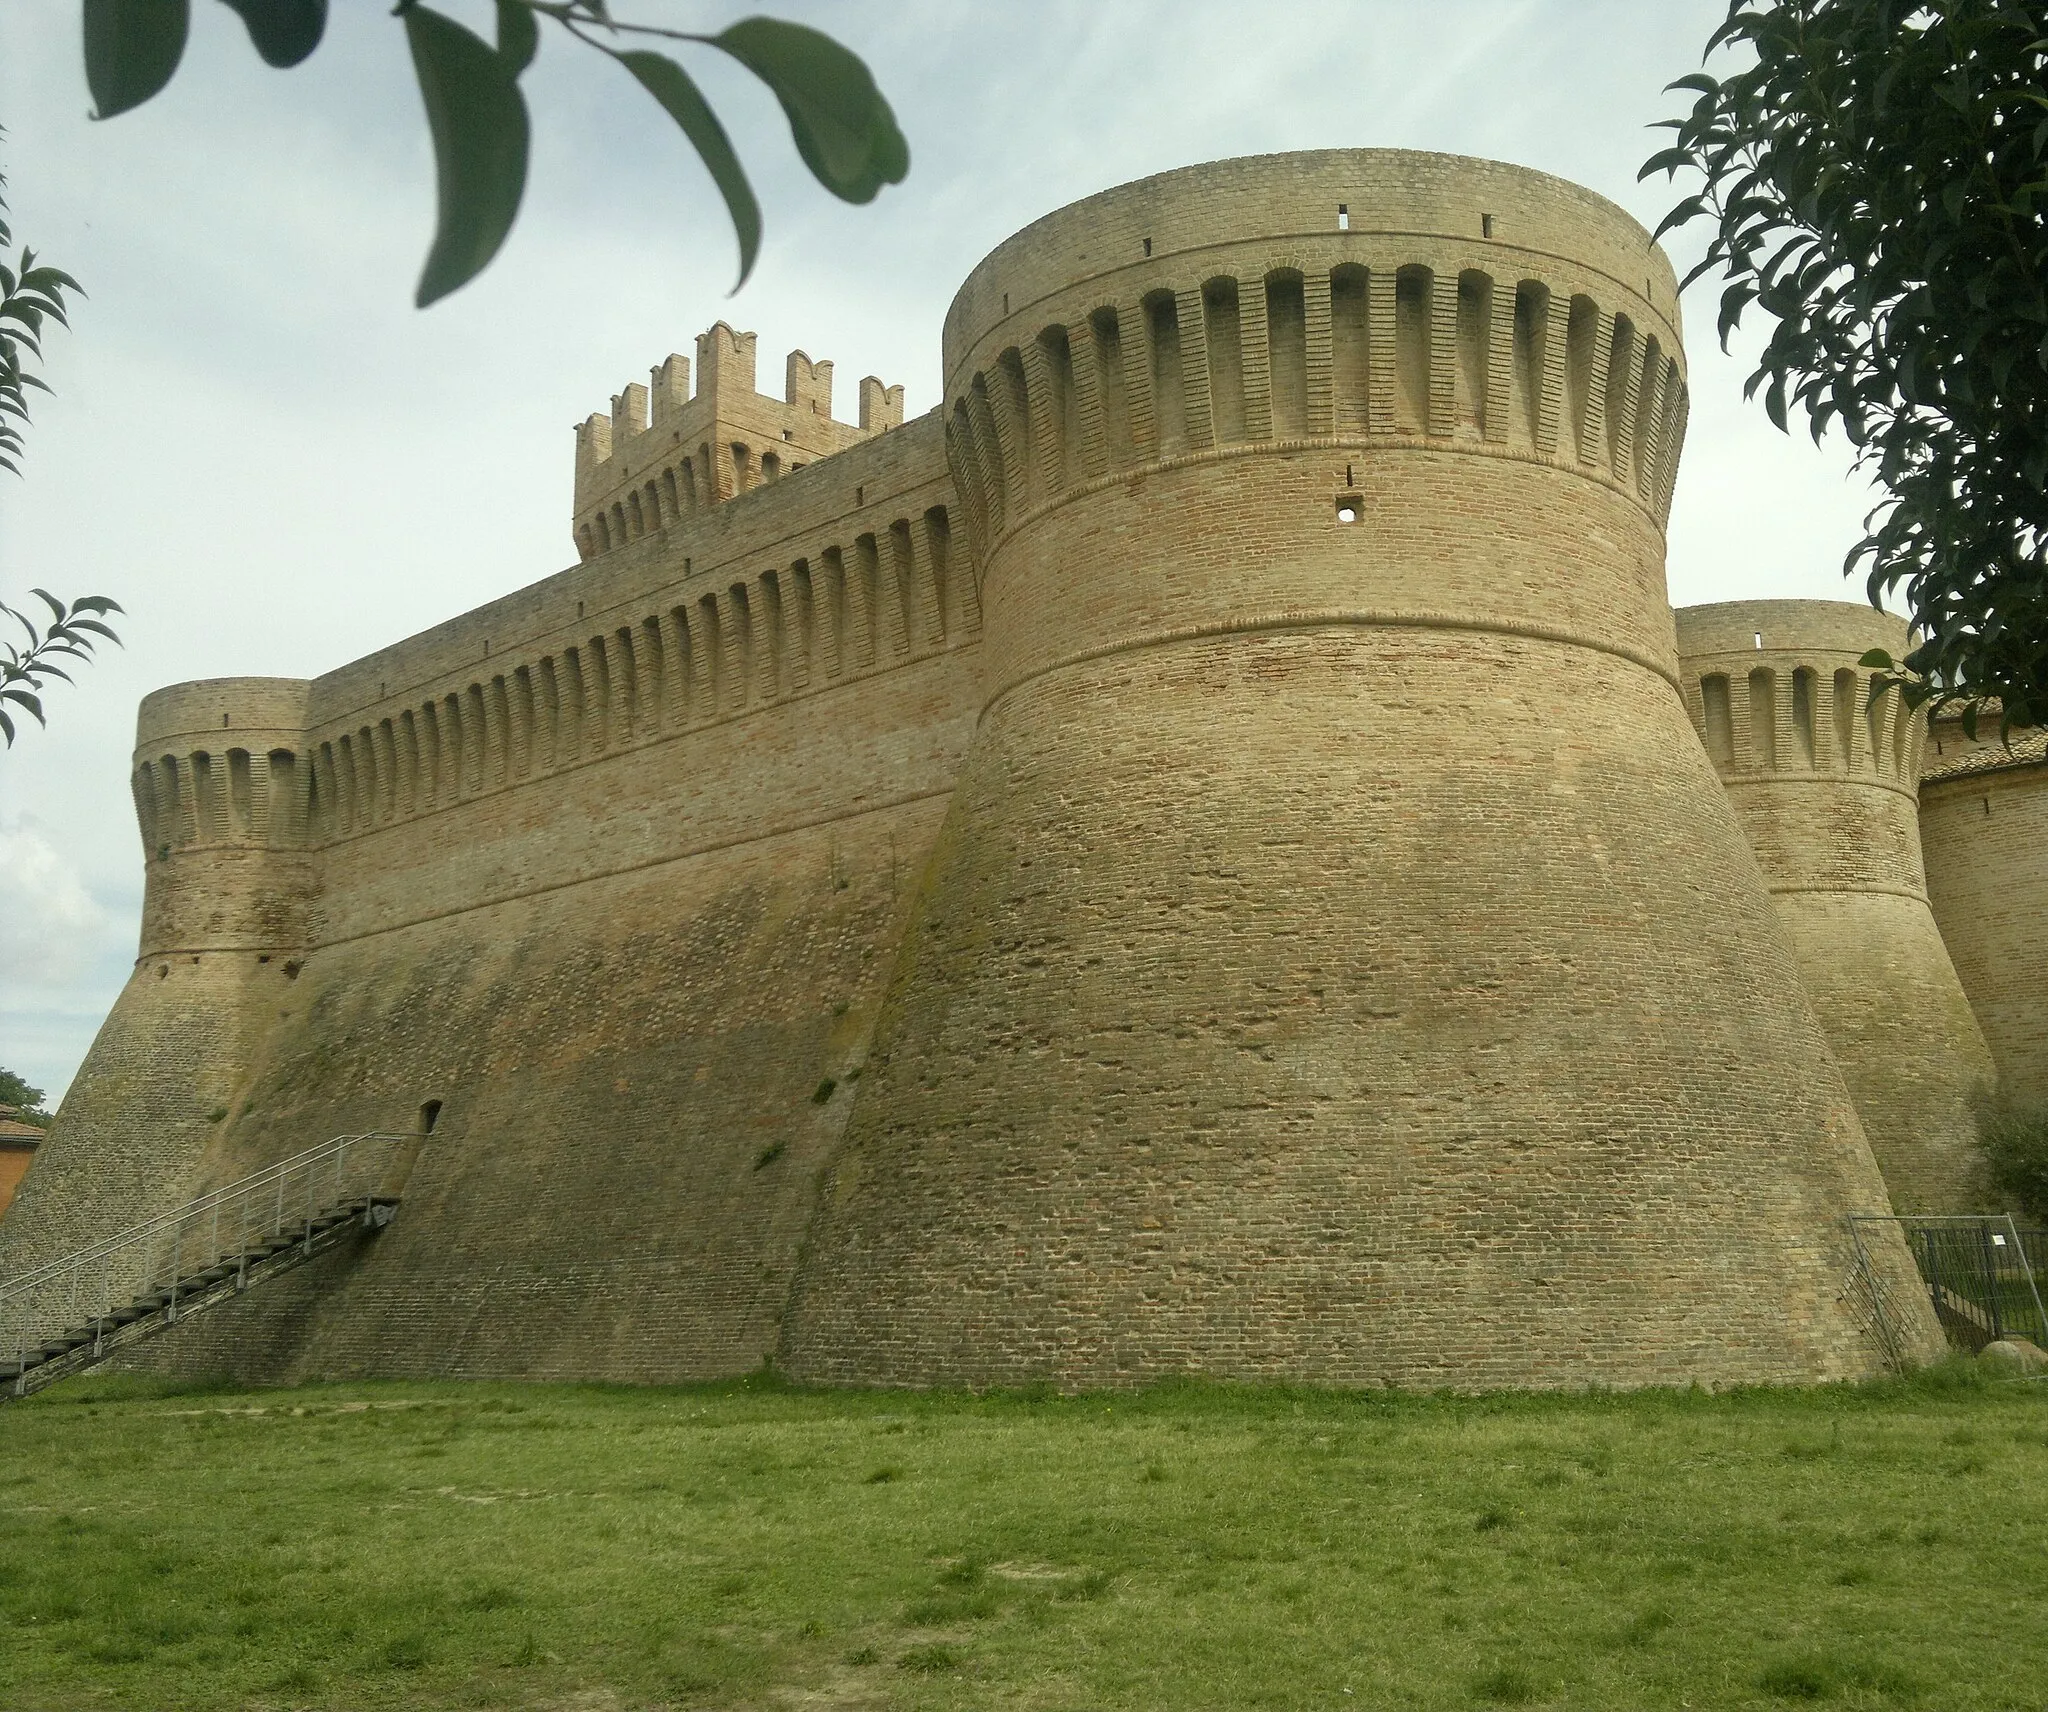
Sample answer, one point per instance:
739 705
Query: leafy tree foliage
26 1100
31 294
69 635
2014 1140
843 128
1876 176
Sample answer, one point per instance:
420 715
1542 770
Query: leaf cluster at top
842 125
31 294
1875 177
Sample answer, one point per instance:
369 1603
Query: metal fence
1980 1275
195 1247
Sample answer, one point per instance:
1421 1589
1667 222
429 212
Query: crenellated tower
664 453
1823 767
220 777
1339 963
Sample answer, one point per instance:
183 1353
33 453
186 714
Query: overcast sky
276 464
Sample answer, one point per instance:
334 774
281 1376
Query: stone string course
1202 854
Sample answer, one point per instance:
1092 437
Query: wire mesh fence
1979 1273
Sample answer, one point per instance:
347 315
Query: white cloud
63 951
49 922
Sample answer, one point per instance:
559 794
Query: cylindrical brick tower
1824 779
220 782
1984 829
1340 962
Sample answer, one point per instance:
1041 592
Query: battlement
664 452
217 763
1349 298
1777 686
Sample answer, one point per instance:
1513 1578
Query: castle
1208 852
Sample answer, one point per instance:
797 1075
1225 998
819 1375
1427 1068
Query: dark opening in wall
430 1115
1343 217
1148 246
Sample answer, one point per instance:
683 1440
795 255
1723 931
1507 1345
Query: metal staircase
81 1308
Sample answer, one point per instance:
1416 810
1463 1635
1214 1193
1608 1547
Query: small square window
1350 507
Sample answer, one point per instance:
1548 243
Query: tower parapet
1822 767
220 781
1226 1034
637 472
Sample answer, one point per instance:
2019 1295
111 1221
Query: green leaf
518 35
131 49
478 120
284 31
842 125
1690 208
27 700
679 96
1877 659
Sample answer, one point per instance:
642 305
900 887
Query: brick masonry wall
1340 961
625 1161
1984 825
1293 933
625 938
1825 781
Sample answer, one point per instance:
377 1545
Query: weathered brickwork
1331 798
1823 767
1190 857
636 474
1984 824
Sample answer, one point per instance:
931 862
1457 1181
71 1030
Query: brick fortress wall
1984 828
1218 1022
1824 777
1241 1028
613 868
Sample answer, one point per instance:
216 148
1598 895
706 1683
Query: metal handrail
79 1291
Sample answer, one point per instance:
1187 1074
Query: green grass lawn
433 1545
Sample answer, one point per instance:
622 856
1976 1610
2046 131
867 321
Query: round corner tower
1340 962
219 779
1984 837
1824 772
